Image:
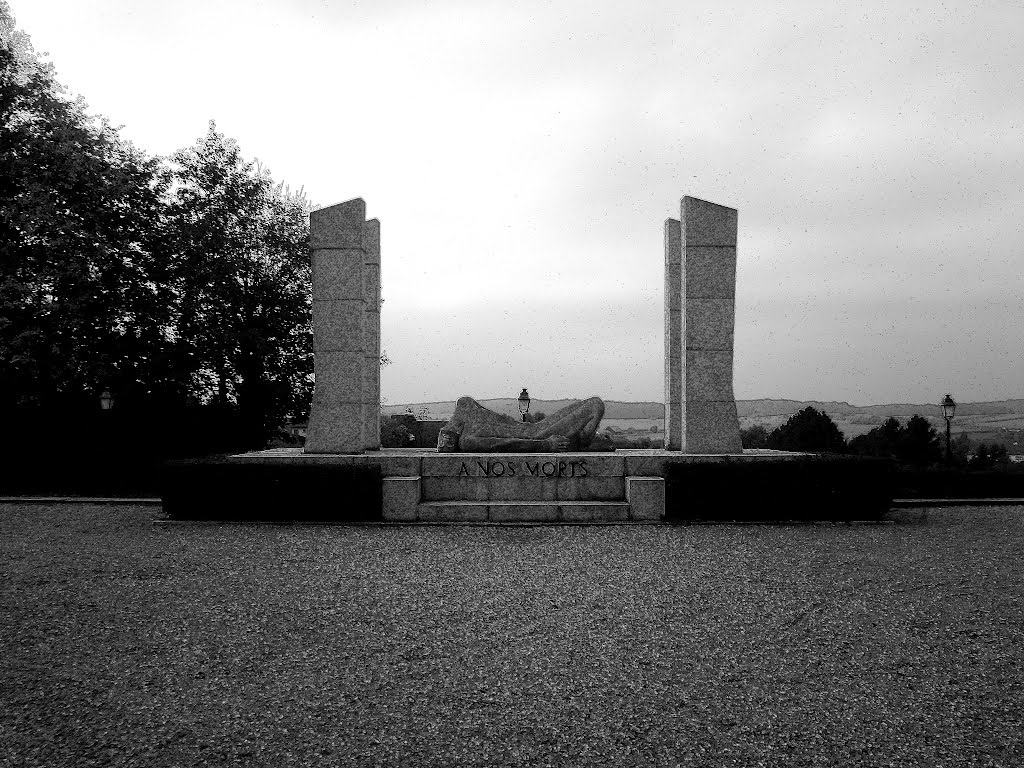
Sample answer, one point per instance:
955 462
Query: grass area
129 644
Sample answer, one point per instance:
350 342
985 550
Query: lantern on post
106 400
524 403
948 406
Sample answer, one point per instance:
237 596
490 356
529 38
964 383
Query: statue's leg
471 418
578 421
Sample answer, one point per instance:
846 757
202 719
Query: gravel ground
129 644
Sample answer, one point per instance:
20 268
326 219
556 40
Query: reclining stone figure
475 429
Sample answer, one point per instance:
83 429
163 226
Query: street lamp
106 400
948 406
524 403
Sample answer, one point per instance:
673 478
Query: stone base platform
426 486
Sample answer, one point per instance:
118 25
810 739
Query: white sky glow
522 158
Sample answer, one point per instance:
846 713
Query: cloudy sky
523 156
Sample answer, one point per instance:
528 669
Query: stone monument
700 316
474 428
345 413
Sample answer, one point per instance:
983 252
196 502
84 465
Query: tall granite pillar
346 329
700 316
371 348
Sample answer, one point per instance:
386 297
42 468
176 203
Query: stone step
522 511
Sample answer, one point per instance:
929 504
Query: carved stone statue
475 429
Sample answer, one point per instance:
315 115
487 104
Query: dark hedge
824 487
68 452
958 483
221 489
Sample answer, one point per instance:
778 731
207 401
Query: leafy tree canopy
915 443
808 430
176 281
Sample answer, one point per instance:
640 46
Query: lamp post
948 406
524 403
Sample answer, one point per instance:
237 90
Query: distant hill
615 409
510 406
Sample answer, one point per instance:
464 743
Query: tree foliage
81 296
808 430
171 282
916 443
755 436
241 281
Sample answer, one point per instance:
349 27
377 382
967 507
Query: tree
754 437
241 280
881 441
808 430
919 443
915 443
394 433
82 305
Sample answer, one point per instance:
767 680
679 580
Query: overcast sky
523 156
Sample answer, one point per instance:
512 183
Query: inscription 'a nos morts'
524 469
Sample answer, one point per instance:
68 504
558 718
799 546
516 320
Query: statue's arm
471 444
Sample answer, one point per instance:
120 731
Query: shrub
224 489
809 430
815 488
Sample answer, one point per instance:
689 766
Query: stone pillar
673 337
700 317
371 366
345 274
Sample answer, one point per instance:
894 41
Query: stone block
339 376
392 465
674 332
337 274
673 242
370 287
450 465
371 241
334 428
673 287
674 391
646 465
646 497
591 489
524 512
371 335
711 427
452 513
673 425
597 464
454 488
705 223
522 488
371 426
582 512
710 323
338 226
338 325
708 375
710 272
371 378
401 496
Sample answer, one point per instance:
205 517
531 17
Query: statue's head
447 441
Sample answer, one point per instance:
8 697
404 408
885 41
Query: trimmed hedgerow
221 489
813 488
957 483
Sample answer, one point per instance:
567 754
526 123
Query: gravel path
129 644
